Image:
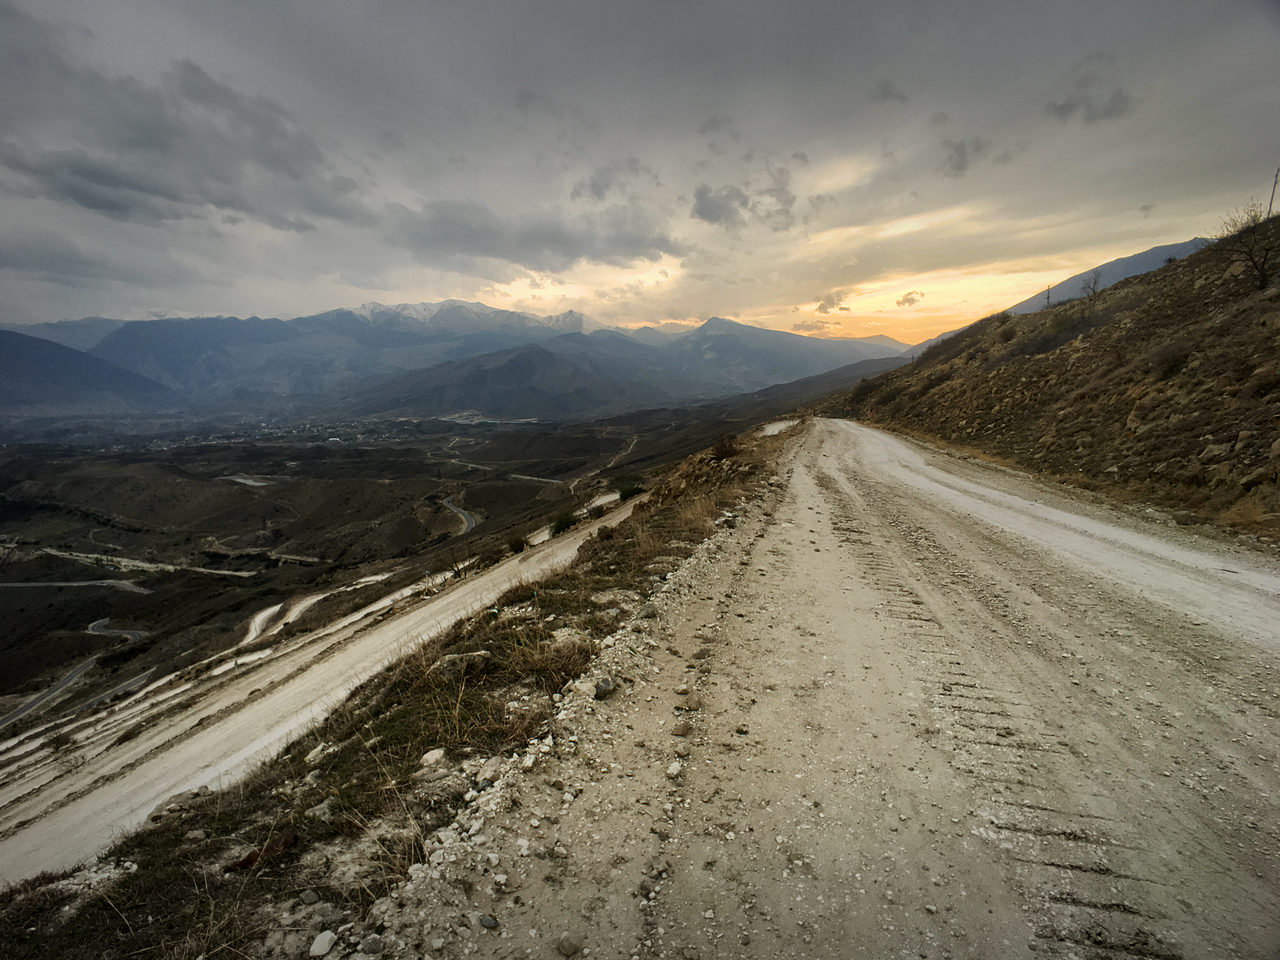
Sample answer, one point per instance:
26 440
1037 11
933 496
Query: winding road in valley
54 815
468 521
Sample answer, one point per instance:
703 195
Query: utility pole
1273 192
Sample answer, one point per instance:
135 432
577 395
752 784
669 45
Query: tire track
1081 860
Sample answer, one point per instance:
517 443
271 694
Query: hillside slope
39 378
1165 387
1111 272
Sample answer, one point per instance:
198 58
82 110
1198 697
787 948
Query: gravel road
982 719
55 814
941 711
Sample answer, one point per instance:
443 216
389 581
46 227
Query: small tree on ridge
1246 236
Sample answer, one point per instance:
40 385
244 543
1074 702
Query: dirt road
56 811
988 732
944 712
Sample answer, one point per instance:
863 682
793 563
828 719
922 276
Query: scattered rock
457 664
1259 476
694 702
372 946
322 944
491 770
316 754
647 611
309 897
196 835
432 758
1214 452
569 944
681 728
604 687
325 811
673 771
488 922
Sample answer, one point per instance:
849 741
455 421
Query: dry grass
376 739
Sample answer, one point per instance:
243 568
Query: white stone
323 943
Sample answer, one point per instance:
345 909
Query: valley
897 699
605 481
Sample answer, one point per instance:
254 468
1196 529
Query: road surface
468 521
946 712
984 718
44 697
100 628
54 815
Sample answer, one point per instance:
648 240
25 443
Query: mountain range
430 359
446 358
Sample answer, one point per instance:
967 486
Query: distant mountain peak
713 324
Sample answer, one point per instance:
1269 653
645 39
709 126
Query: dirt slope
910 733
1165 386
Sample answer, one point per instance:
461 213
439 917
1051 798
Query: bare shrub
1250 238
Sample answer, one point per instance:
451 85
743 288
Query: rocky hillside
1165 387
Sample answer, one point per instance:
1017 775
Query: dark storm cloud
152 153
726 207
1093 95
457 233
436 148
772 205
887 92
732 207
962 154
612 176
1090 106
51 258
716 124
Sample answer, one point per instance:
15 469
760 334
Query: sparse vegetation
1245 237
726 447
1164 387
563 521
364 782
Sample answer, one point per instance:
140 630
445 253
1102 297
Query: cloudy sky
842 167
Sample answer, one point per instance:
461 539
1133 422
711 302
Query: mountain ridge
1164 386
